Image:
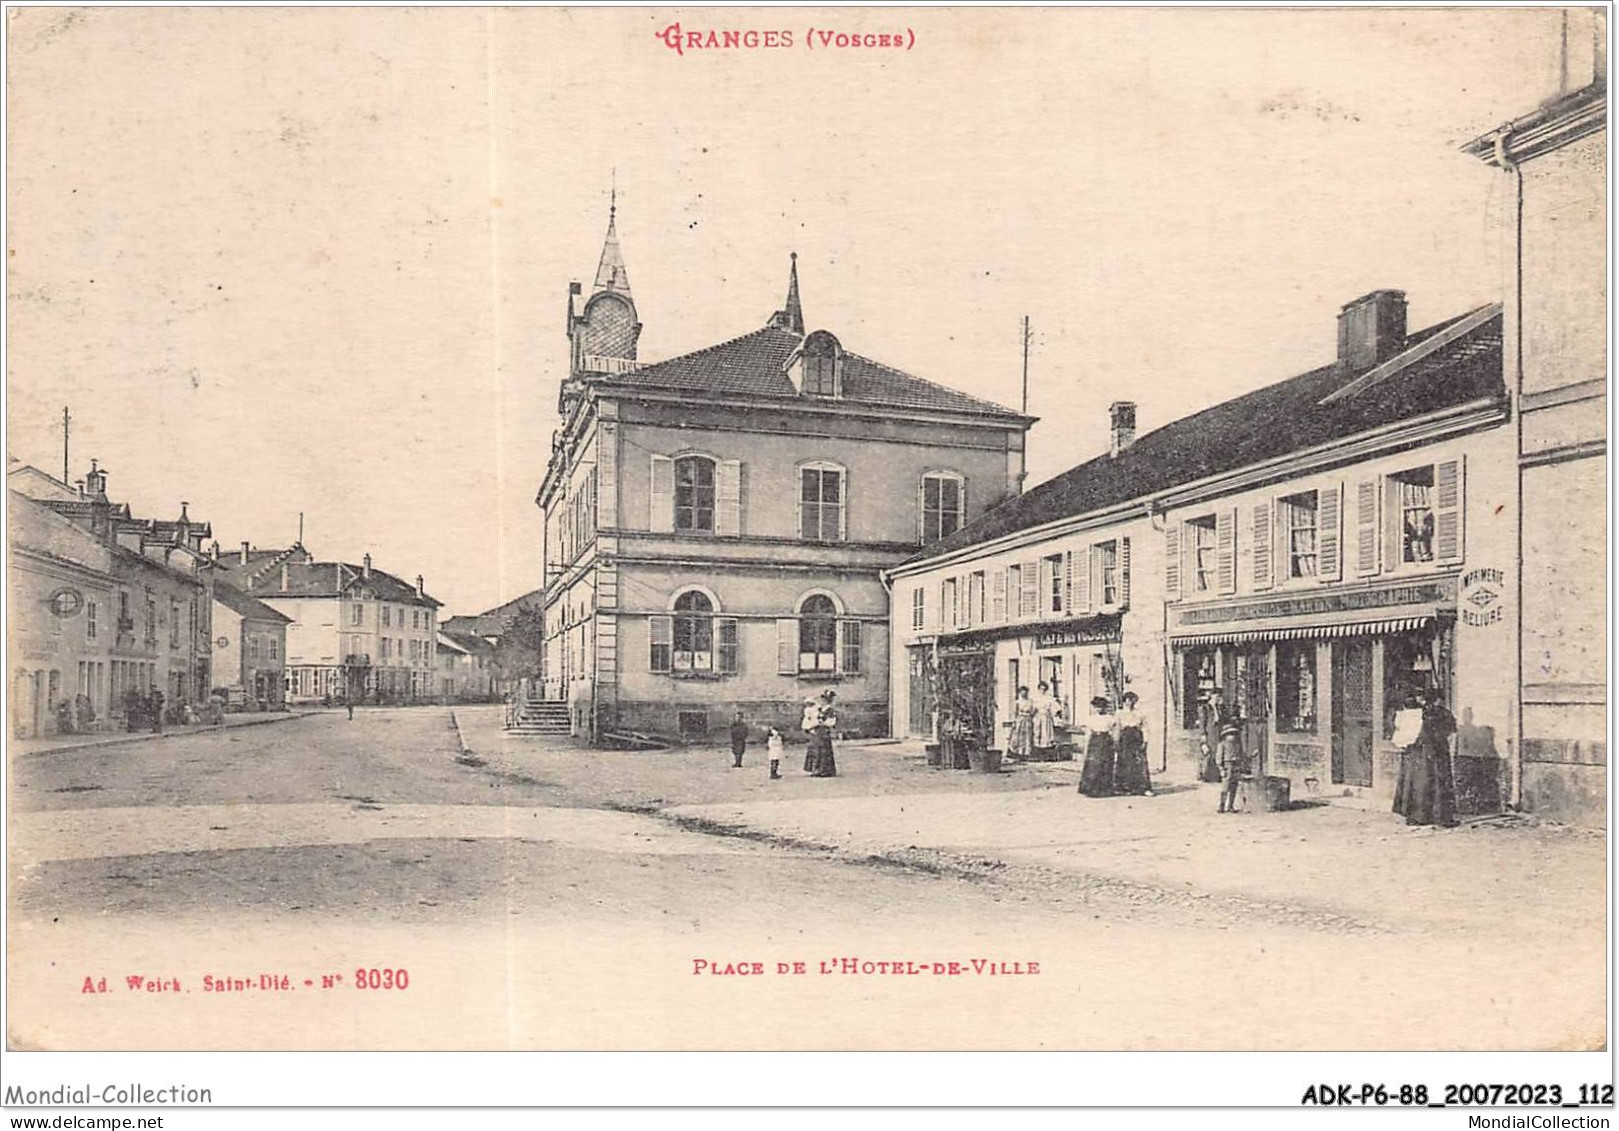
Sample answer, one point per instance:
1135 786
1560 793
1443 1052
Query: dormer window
823 365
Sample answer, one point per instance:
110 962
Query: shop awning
1314 630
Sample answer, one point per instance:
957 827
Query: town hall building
717 524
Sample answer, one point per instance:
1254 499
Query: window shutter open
1172 562
922 512
1389 520
1068 595
1225 550
849 647
728 498
1124 573
725 636
1329 535
1447 481
1082 580
786 645
1029 595
663 634
1366 527
997 596
663 495
1264 546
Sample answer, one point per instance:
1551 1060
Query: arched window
817 634
823 362
944 505
694 494
693 632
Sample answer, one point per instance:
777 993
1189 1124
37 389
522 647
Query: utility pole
66 419
1027 335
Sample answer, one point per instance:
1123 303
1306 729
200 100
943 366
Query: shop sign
1103 633
1482 597
1357 600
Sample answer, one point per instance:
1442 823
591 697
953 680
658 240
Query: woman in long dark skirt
1131 776
1096 779
1425 791
811 719
826 764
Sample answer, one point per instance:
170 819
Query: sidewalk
1509 875
65 742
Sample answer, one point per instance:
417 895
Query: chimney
95 483
1122 418
365 567
213 552
79 483
419 591
245 549
1371 329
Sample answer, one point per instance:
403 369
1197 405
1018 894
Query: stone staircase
534 715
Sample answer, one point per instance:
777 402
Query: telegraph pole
1027 335
66 419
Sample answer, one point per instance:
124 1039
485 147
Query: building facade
354 632
1315 575
466 670
128 608
716 525
250 651
1557 241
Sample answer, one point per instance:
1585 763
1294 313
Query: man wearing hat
1233 764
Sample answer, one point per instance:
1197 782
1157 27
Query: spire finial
791 316
612 200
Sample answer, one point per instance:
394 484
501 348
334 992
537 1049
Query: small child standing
739 739
773 745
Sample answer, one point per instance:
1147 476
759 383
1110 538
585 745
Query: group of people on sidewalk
1424 790
818 720
1115 759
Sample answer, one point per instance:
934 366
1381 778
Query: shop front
1315 681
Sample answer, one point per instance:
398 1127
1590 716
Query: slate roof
752 365
465 642
249 607
334 579
1273 421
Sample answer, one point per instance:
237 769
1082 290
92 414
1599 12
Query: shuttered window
1172 563
1225 551
1079 563
1366 534
1329 538
997 595
1264 543
662 516
849 641
727 644
662 634
728 498
919 606
1029 590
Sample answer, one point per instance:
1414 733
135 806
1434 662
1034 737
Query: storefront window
1197 674
1295 687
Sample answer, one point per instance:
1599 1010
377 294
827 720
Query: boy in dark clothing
1233 764
739 739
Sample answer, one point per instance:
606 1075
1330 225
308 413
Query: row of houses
108 607
746 525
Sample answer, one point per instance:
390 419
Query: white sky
316 259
